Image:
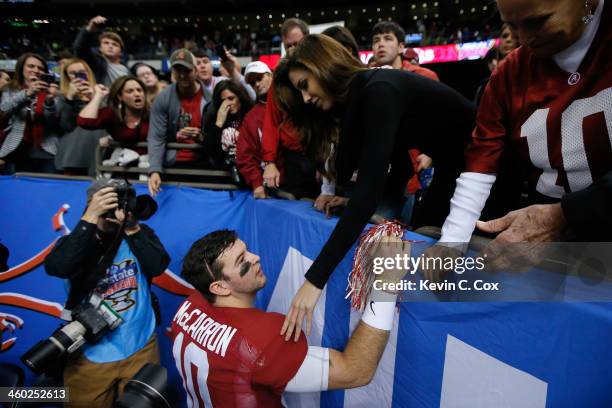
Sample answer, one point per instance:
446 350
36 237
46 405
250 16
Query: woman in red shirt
126 118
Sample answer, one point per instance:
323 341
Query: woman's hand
260 192
322 201
222 113
84 89
36 86
100 91
336 201
104 141
303 305
271 176
52 92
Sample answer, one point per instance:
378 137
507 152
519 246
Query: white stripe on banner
290 279
379 393
473 379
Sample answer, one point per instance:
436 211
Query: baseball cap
183 57
100 184
256 67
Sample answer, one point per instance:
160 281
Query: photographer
110 254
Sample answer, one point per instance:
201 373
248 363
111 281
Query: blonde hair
65 79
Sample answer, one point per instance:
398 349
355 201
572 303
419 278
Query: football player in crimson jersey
549 104
231 354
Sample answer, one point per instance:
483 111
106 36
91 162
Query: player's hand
154 184
390 247
271 176
533 225
260 192
303 305
102 201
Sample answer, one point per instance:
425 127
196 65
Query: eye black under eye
244 268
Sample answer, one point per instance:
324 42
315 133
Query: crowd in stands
141 42
55 125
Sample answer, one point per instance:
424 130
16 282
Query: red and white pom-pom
360 279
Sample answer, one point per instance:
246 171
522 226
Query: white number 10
573 151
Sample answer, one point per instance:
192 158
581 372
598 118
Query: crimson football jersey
557 124
232 357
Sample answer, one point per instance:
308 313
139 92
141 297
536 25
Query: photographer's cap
99 185
183 57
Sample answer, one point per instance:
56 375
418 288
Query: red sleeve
248 150
271 129
427 73
488 139
281 359
103 121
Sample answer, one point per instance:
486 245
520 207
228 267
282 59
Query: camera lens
146 389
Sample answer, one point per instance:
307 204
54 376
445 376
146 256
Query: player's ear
220 288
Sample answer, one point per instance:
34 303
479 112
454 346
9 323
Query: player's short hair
201 265
291 23
384 27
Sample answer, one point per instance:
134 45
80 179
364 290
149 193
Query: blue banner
439 354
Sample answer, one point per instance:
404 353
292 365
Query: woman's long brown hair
334 67
115 93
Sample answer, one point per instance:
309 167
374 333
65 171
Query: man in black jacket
106 64
110 254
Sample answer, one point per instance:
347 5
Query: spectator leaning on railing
126 119
248 149
176 116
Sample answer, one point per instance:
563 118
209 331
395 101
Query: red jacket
407 66
414 184
248 147
276 133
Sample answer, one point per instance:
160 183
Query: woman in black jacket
371 117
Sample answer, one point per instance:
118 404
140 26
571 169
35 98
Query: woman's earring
589 13
120 106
